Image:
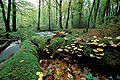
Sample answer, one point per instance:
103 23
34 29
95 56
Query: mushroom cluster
74 48
118 37
97 53
94 41
61 34
47 49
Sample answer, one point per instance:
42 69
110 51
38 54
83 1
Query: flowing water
10 50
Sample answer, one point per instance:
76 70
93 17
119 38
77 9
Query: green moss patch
23 65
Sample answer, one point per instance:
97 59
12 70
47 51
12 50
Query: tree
14 15
56 13
80 10
60 14
68 14
6 20
90 15
96 11
39 15
49 9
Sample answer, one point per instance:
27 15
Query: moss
87 50
57 42
14 70
40 41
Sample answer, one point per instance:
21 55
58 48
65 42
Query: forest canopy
58 14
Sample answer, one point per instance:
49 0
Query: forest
59 39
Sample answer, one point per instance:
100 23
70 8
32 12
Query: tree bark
56 13
119 11
96 11
68 14
80 11
4 17
106 9
49 9
60 14
8 14
14 15
39 16
90 15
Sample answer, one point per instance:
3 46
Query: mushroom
76 51
95 50
102 54
118 44
96 40
91 55
100 49
65 38
69 47
105 37
81 46
102 44
60 50
75 48
40 79
95 43
80 49
118 37
79 55
37 73
94 36
73 44
99 57
97 54
109 38
66 50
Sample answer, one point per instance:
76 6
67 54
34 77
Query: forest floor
113 32
66 68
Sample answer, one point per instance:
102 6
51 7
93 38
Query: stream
14 47
10 50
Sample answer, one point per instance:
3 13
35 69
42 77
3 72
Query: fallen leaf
21 61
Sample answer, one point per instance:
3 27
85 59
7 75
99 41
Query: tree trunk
39 16
60 14
90 15
107 10
119 11
68 14
49 9
8 15
14 15
56 13
117 7
4 17
96 11
80 10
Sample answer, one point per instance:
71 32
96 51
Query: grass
14 70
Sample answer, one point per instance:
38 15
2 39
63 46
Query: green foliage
57 42
102 40
40 41
90 77
14 70
87 50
